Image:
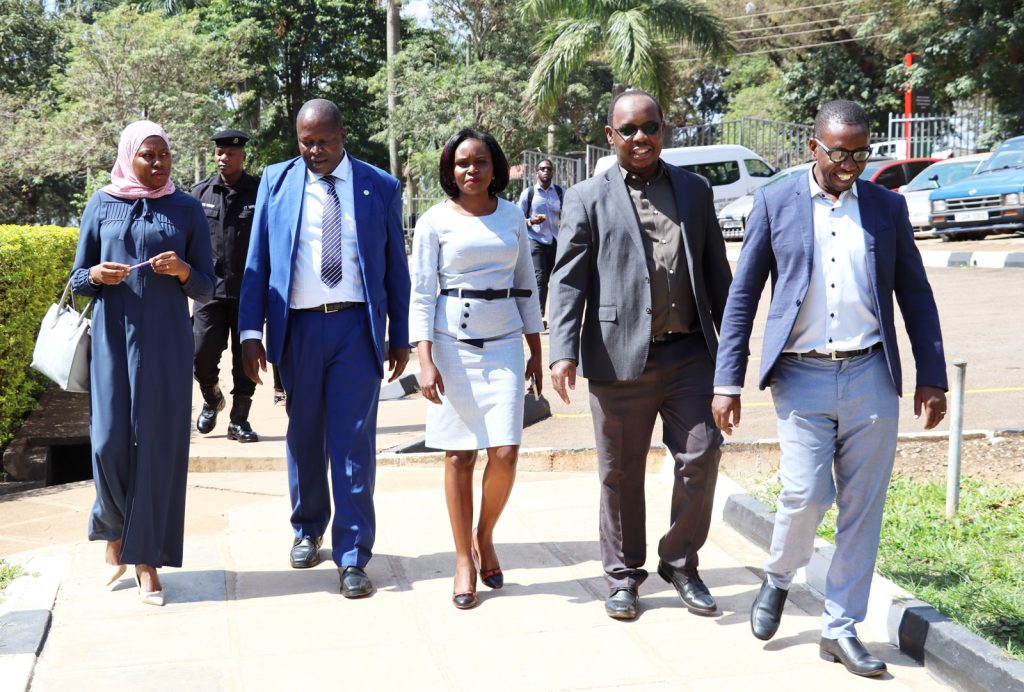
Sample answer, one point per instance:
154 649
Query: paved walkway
238 618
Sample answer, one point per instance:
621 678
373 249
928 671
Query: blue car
990 201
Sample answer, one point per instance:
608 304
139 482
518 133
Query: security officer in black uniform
229 200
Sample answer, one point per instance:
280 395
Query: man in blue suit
326 270
837 250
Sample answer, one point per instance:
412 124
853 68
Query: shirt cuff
250 334
728 390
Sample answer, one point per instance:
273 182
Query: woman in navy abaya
143 250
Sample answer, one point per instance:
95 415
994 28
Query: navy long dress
141 369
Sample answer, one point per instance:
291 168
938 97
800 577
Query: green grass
971 568
9 573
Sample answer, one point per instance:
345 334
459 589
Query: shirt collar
816 190
659 171
341 171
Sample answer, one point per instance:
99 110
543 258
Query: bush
35 262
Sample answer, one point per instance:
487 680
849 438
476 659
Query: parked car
733 216
990 201
939 174
894 173
886 172
732 170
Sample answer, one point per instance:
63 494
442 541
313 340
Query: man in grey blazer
837 250
637 295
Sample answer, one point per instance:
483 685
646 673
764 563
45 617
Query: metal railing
782 144
939 134
569 170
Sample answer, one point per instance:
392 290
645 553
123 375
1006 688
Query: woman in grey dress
143 251
474 296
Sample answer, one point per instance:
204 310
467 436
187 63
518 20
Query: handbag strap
69 296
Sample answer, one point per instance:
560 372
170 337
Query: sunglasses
840 155
545 168
628 130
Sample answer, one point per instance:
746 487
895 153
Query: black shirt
229 211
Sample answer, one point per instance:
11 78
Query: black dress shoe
306 552
354 582
622 603
207 419
242 432
766 612
690 587
852 654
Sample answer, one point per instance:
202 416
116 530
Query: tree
303 49
438 94
128 66
632 36
32 43
965 50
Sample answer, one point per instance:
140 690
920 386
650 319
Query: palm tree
633 36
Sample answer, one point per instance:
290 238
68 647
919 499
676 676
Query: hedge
35 262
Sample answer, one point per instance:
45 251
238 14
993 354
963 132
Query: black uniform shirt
229 210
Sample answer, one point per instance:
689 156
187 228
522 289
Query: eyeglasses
840 155
628 130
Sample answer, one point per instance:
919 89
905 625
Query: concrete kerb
958 656
25 614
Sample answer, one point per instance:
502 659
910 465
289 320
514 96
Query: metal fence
782 144
938 134
569 170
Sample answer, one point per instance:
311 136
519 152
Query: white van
732 170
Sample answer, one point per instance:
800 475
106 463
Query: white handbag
62 347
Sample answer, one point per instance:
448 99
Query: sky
418 9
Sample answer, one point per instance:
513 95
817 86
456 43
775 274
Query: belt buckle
490 294
328 310
834 355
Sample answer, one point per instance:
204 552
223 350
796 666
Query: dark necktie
330 255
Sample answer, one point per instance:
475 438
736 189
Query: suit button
649 311
798 303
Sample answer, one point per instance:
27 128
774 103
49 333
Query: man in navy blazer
837 250
326 272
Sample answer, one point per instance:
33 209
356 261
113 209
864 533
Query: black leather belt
667 337
488 293
331 307
843 355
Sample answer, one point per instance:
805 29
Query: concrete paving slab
238 618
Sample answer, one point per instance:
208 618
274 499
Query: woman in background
143 250
474 294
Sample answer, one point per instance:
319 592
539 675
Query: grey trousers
837 425
677 384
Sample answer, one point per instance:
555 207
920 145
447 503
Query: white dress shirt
308 291
838 310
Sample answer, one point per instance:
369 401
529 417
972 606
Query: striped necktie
330 255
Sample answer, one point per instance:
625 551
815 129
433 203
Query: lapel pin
366 192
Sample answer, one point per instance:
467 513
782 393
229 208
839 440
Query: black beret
230 138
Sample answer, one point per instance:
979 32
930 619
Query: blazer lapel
619 203
293 197
684 208
872 225
803 208
362 202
